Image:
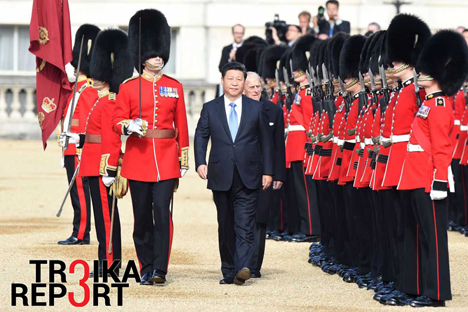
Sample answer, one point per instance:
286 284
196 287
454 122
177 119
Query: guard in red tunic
84 98
156 154
110 65
349 72
301 113
443 64
404 45
458 211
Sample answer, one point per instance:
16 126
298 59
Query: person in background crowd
461 29
229 52
294 32
335 24
372 28
304 23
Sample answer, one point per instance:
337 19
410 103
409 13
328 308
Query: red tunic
402 117
347 159
163 107
459 137
338 125
84 99
295 120
100 117
364 145
325 161
382 157
431 129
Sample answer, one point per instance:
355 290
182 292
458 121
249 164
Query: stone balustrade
18 115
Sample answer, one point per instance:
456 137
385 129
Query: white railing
18 115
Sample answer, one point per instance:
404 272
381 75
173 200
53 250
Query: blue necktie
233 123
331 31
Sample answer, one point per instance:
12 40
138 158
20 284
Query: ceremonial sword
69 189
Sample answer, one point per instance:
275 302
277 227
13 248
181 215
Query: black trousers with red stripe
343 247
349 204
326 216
153 228
102 208
302 195
431 220
79 195
458 201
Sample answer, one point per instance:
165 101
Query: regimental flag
50 41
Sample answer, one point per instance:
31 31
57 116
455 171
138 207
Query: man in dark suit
274 114
229 52
241 162
334 24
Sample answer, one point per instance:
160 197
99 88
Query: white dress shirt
238 108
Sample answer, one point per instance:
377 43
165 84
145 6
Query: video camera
281 28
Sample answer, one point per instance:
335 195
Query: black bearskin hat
250 60
284 63
271 56
314 54
367 56
155 36
350 56
111 61
376 52
445 58
337 44
321 58
89 32
406 37
299 59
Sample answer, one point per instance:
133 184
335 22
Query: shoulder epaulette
111 96
440 101
171 78
131 78
84 86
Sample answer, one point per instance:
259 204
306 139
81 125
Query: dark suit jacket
251 151
225 56
276 125
324 27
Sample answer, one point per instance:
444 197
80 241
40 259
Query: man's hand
277 185
232 55
73 138
438 195
274 35
137 126
108 181
202 171
266 181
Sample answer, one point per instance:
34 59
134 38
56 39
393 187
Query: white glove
137 126
183 171
73 138
438 195
108 181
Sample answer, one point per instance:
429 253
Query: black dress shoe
226 281
146 279
158 278
73 241
423 301
397 298
255 274
302 238
242 276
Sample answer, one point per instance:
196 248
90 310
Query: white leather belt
368 142
400 138
335 140
362 145
340 142
350 141
358 140
457 122
414 148
464 128
384 139
296 128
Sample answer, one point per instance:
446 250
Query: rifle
72 108
385 91
280 93
416 87
290 96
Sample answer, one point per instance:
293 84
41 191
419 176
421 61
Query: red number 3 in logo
82 283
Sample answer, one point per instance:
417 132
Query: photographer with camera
304 23
278 32
325 28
